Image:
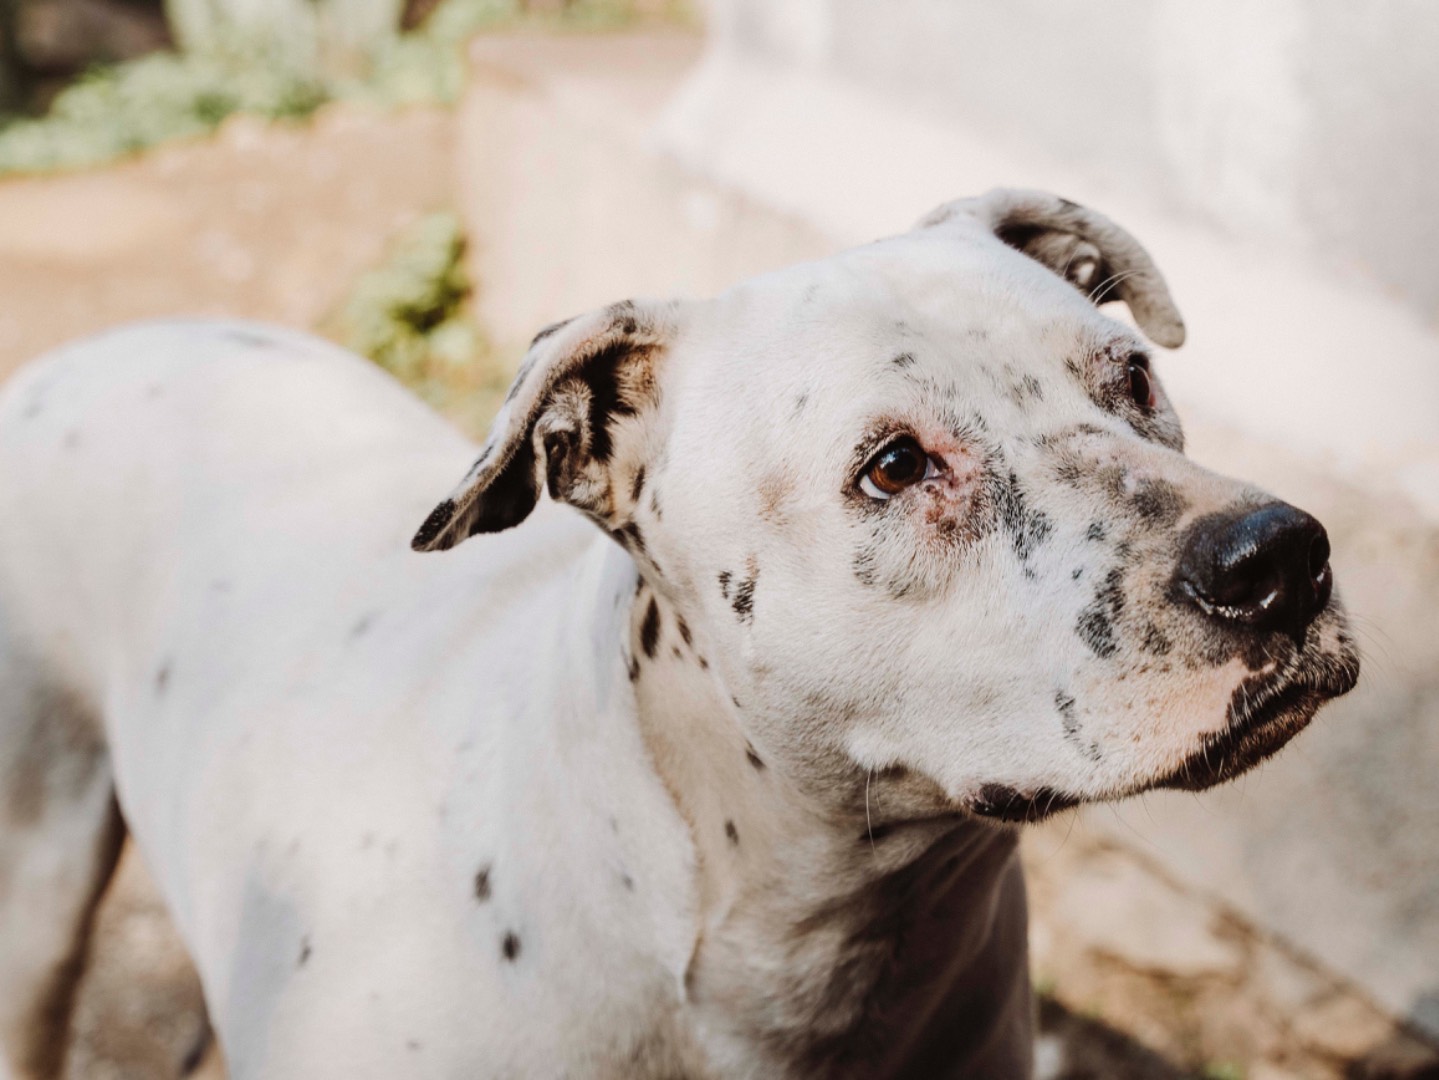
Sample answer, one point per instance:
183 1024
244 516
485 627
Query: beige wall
1308 122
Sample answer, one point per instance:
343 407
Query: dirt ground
1139 978
262 222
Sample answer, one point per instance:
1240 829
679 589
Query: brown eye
901 464
1140 388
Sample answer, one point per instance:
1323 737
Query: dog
896 550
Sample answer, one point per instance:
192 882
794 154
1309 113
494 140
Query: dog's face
927 511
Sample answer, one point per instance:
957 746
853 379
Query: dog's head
927 511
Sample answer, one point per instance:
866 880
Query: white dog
894 549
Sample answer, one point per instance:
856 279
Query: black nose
1266 568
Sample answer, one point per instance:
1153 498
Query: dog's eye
1140 387
900 464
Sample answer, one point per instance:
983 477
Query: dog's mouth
1264 714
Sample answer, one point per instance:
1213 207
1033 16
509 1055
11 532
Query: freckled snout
1267 569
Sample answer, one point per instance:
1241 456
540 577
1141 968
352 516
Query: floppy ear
1088 250
576 418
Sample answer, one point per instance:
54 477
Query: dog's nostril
1267 568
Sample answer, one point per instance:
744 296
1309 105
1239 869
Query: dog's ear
575 419
1088 250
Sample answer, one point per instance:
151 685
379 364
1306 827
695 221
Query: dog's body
708 801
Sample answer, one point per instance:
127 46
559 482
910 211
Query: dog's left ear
1085 248
575 419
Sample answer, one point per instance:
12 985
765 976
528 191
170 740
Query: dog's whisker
868 822
1100 291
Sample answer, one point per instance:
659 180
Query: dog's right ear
576 416
1082 246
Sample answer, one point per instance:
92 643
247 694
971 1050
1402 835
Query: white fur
320 739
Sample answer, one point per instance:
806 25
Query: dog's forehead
954 317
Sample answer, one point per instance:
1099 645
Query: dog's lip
1263 715
998 802
1268 713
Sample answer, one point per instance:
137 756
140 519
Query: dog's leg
60 835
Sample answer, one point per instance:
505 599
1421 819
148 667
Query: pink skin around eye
953 501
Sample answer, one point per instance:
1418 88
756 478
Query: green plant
126 108
118 110
411 315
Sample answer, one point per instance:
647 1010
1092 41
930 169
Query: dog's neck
826 943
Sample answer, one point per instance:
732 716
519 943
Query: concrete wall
1309 123
597 170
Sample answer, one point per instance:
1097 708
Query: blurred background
430 181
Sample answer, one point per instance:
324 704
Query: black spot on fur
1026 389
162 677
724 579
874 833
362 625
1096 622
800 403
684 629
650 629
1028 529
743 602
630 537
754 759
439 517
251 339
510 946
1155 642
602 374
731 832
1069 473
1097 531
305 952
1076 573
624 313
482 884
633 669
551 329
903 360
1159 503
637 485
627 881
863 566
1067 718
